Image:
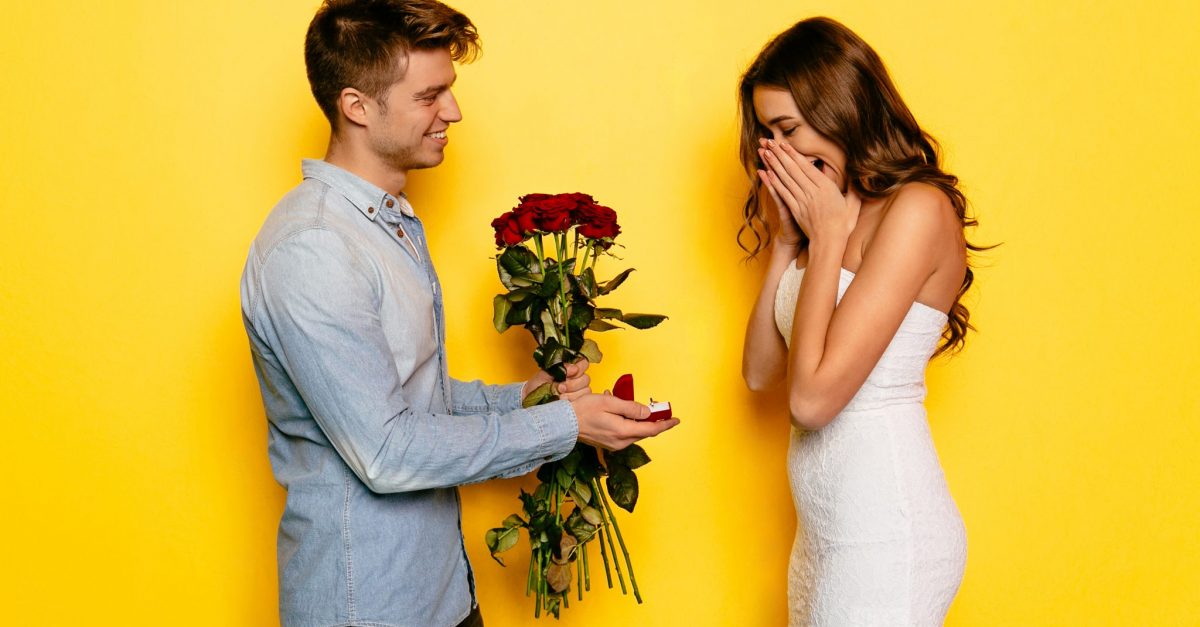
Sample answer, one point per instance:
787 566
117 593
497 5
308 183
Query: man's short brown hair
363 44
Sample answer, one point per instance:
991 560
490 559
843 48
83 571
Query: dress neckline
792 267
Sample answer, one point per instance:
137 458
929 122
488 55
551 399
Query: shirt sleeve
477 397
321 300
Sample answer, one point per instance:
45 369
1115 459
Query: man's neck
364 164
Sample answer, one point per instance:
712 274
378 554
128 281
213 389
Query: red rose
597 222
551 214
526 218
508 230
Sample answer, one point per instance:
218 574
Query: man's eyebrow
433 91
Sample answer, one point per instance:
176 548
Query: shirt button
390 204
400 232
370 209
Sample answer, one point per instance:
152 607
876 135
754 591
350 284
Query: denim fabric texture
366 429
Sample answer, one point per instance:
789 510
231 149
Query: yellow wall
143 142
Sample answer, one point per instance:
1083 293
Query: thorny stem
611 549
632 580
560 243
604 556
529 578
587 570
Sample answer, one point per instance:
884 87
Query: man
368 432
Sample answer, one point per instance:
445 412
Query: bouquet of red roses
554 298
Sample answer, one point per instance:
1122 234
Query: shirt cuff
509 397
557 427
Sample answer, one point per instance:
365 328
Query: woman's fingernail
770 142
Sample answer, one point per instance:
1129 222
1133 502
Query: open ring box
623 389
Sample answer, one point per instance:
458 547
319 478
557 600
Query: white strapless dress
879 541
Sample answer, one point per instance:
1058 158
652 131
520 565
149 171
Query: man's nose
450 112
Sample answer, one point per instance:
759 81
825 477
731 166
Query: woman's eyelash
788 132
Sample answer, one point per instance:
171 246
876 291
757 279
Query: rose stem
632 580
604 556
575 250
586 249
579 565
560 242
611 549
537 599
587 570
529 578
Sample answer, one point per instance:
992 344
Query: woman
868 262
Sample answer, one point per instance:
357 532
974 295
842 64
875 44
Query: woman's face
777 112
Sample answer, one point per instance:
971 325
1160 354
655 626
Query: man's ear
353 105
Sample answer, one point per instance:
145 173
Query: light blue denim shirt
367 431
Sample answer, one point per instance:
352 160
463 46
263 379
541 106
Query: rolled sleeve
557 427
477 397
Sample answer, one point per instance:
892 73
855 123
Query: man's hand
574 387
611 423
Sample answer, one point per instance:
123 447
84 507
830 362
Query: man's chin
431 161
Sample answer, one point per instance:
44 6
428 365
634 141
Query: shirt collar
366 196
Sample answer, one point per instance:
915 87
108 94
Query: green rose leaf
521 294
592 516
563 478
500 540
539 395
587 284
631 457
550 286
548 325
520 313
591 350
642 321
582 493
502 306
529 503
518 267
622 487
581 316
600 325
608 313
570 463
580 527
616 282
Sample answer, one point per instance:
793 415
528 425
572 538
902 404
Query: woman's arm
835 347
764 354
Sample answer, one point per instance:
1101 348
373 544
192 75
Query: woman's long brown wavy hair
846 95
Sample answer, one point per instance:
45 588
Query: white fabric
880 540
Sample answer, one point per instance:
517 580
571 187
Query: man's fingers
574 384
641 429
626 409
571 396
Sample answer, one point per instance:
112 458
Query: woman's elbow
757 380
810 413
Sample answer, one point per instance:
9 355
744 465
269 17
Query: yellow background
144 142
